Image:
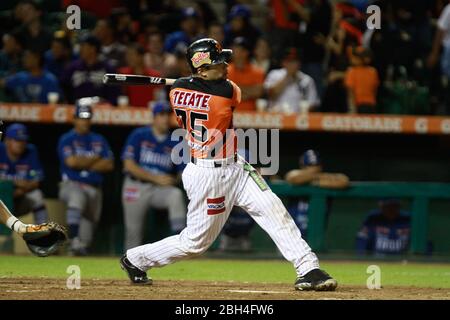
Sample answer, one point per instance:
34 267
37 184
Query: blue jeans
445 61
315 70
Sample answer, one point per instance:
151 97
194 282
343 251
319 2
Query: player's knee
175 194
196 251
37 197
195 247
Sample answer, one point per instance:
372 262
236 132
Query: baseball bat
135 80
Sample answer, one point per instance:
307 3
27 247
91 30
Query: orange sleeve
349 78
236 93
259 76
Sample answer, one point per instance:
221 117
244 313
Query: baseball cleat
136 275
317 280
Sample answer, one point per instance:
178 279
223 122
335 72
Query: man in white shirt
289 89
442 37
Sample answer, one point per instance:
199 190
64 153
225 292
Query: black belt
216 164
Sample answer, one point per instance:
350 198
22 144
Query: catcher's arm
12 222
42 239
7 218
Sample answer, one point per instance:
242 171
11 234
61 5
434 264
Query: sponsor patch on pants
215 205
131 194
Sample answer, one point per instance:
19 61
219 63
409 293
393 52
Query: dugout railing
420 195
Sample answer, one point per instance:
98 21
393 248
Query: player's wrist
16 225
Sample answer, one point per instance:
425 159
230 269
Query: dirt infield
32 288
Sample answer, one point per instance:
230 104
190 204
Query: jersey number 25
197 130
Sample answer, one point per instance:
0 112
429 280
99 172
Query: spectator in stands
385 230
84 158
362 82
176 66
206 14
100 8
311 172
11 54
313 40
442 38
239 25
343 38
262 55
84 76
289 89
190 28
112 51
216 32
155 56
288 17
139 96
35 36
248 77
151 177
125 30
19 163
60 55
34 84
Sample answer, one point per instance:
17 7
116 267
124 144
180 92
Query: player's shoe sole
136 276
316 280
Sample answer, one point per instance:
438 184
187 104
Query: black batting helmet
206 52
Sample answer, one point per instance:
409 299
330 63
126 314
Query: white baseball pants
212 193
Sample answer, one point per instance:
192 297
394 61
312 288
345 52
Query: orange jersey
205 109
248 76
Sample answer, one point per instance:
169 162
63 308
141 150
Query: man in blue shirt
385 230
34 84
60 55
19 163
151 177
189 32
11 54
84 157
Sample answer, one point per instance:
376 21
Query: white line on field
22 291
255 291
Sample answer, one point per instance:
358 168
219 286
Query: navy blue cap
239 10
160 107
91 40
242 42
310 158
17 131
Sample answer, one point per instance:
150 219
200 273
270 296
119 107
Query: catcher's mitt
44 239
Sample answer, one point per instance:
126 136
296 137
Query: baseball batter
151 177
217 179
